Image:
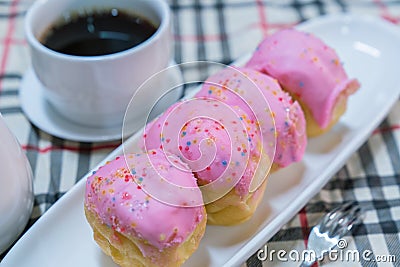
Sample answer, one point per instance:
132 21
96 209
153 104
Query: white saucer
45 117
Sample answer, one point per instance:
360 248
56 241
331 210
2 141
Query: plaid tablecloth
222 31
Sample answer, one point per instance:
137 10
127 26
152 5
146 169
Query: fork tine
341 208
346 222
326 221
335 217
349 205
355 219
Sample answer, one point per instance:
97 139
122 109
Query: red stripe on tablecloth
387 129
7 40
385 12
305 228
263 18
304 225
14 41
69 148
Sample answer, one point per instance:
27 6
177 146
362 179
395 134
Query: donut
243 87
310 71
136 228
221 145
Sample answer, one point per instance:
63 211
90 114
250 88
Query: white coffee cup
95 90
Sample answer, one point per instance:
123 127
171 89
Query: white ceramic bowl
95 90
16 189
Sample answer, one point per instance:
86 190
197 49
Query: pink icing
115 194
210 129
307 68
289 118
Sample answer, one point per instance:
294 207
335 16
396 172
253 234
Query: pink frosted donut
133 227
236 158
193 131
310 71
237 89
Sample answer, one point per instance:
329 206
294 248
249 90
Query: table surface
222 31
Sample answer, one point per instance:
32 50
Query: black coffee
99 33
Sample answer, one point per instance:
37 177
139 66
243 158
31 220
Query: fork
326 234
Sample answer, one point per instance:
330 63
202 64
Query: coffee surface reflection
99 32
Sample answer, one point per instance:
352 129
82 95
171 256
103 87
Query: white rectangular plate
369 49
